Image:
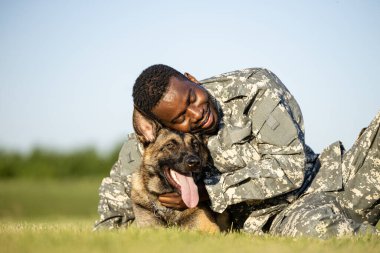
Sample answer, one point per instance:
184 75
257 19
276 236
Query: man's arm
115 206
260 151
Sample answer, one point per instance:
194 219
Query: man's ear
146 129
191 78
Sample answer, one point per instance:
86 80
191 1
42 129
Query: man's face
186 107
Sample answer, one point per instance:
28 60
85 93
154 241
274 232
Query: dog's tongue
189 190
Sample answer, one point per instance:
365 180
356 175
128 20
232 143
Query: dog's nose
193 162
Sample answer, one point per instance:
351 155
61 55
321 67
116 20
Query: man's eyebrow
187 102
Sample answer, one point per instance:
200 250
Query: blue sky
67 67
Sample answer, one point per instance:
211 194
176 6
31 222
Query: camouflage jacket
261 161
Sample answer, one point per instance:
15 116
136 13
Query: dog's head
171 160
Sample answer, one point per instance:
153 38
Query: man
264 174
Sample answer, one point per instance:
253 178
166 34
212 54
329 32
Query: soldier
263 174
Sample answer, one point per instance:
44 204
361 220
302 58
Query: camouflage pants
353 210
317 215
361 176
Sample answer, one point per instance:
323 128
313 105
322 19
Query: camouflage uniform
264 174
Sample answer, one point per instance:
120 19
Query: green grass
30 199
76 236
58 216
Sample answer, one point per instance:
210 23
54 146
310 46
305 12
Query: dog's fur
163 150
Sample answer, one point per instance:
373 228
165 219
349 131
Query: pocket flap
261 110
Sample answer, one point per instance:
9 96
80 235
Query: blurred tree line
44 163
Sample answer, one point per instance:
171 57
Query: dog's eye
170 145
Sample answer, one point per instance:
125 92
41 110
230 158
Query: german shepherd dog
172 162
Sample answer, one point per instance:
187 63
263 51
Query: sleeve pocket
271 123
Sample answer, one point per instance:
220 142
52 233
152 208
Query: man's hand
174 199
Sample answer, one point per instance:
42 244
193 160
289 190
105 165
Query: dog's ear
146 129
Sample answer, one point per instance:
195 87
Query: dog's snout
193 162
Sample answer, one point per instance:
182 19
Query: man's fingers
170 205
175 206
170 195
172 200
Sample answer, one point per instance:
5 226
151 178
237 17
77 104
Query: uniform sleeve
259 151
115 206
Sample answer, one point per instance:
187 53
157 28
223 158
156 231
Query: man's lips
206 121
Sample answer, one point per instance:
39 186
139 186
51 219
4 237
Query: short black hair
151 85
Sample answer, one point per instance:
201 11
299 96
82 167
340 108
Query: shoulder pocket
130 156
271 122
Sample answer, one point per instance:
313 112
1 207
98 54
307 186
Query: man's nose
195 113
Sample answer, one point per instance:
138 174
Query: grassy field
76 236
40 199
57 216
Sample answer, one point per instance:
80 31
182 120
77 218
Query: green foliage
41 163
